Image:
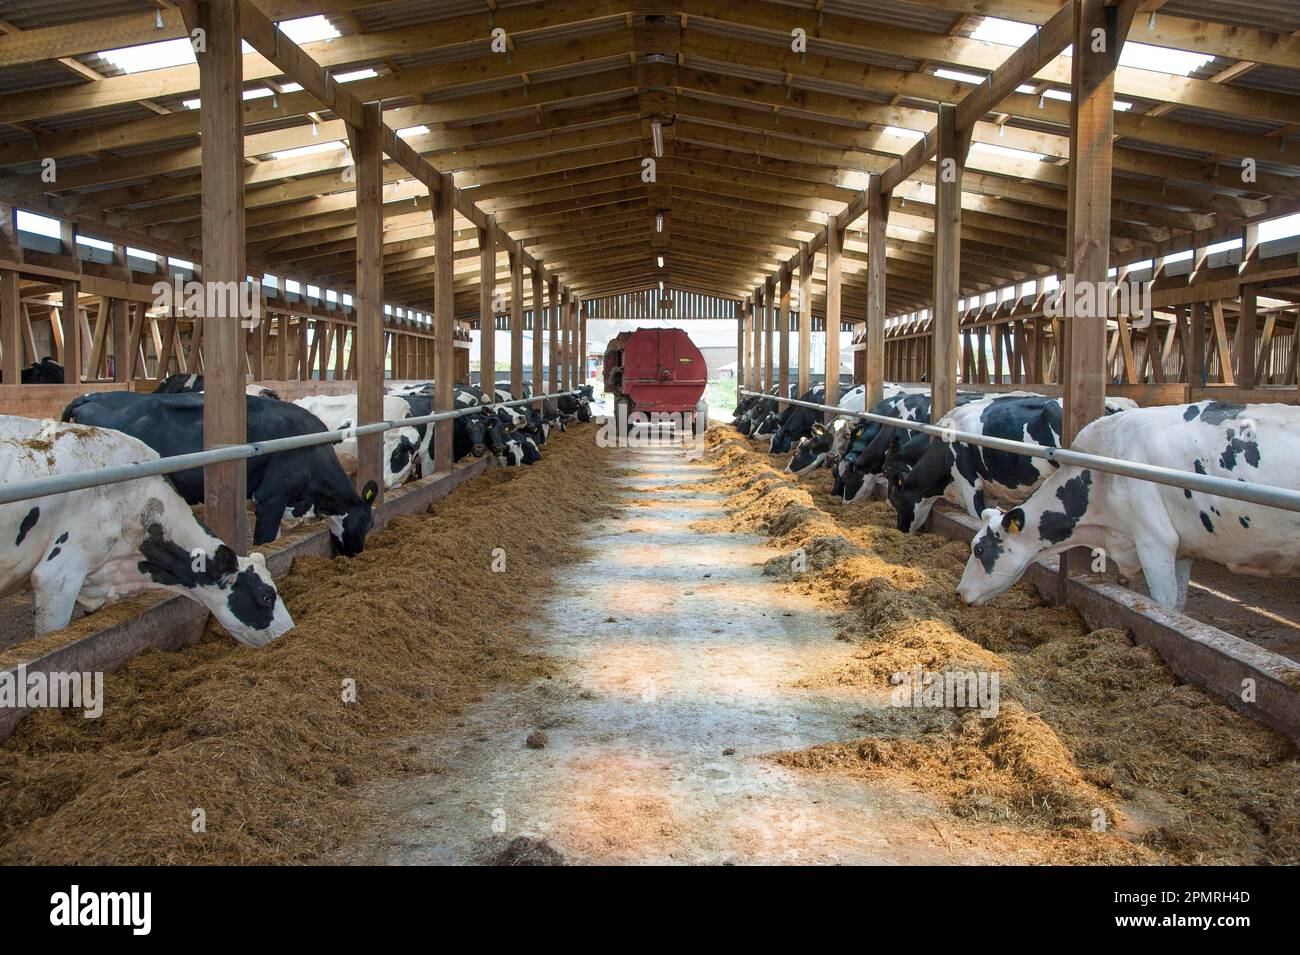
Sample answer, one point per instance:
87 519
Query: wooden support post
581 356
877 219
368 303
783 337
1196 346
487 317
834 303
539 331
221 133
553 321
1248 327
950 158
566 313
805 318
1099 34
11 325
73 352
756 342
517 320
740 347
769 326
444 319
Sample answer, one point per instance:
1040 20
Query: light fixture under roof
660 260
659 222
657 134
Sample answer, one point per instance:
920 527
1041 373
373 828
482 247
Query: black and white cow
1153 528
823 442
870 442
967 474
96 545
298 481
180 384
47 371
759 410
576 406
794 422
401 445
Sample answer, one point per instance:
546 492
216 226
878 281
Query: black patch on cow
1198 467
1057 526
252 600
1217 412
1205 519
1248 449
1245 522
62 538
987 551
28 523
170 565
1187 494
53 554
1191 412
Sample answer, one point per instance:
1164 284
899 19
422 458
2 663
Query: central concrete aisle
676 660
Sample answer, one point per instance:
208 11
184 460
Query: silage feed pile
262 741
1090 726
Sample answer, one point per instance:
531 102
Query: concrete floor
677 659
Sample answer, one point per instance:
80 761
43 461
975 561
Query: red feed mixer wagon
656 370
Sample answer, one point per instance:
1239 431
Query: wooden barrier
1216 661
165 621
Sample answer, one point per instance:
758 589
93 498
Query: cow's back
1255 443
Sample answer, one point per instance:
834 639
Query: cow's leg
1183 570
270 512
55 585
1157 559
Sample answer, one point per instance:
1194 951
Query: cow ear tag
1015 521
369 492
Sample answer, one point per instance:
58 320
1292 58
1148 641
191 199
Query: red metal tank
656 369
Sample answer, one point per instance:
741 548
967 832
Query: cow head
348 530
999 554
402 445
855 483
766 425
239 591
811 451
914 489
476 431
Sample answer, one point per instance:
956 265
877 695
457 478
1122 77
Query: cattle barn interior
1086 199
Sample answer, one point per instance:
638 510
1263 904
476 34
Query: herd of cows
92 546
1142 527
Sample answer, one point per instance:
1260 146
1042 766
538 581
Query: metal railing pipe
1249 491
117 474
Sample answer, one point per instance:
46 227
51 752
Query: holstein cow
817 448
47 371
865 459
300 480
759 410
966 474
1154 528
401 445
190 384
576 406
96 545
471 434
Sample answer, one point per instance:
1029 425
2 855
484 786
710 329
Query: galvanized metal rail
1265 494
96 477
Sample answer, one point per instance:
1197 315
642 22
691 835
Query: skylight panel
1281 228
155 56
38 225
1143 56
308 29
1009 32
307 150
959 76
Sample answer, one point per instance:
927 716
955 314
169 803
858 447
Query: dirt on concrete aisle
677 666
